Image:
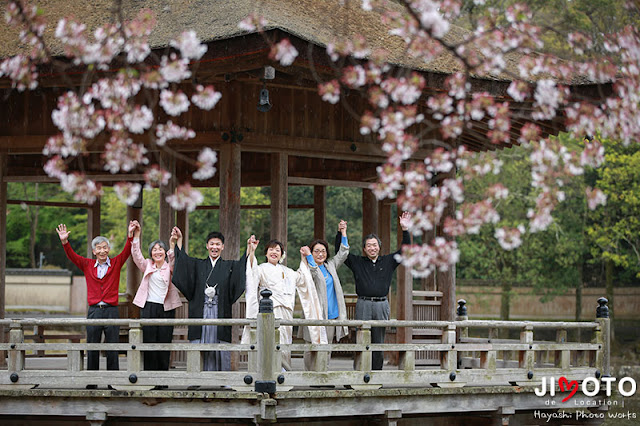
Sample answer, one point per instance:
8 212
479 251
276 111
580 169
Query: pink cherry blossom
330 91
127 192
168 131
509 238
284 52
206 97
189 45
138 120
174 70
595 198
252 23
174 103
122 154
155 176
185 198
206 160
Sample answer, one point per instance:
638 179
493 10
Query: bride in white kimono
283 282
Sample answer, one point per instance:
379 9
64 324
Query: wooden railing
471 353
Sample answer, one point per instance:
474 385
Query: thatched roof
317 21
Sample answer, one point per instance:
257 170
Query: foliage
615 231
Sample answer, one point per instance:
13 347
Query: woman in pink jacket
157 296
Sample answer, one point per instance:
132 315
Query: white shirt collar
108 262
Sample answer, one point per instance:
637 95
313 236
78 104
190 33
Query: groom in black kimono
212 285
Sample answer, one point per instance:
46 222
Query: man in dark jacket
373 274
212 285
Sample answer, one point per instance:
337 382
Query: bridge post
266 344
362 360
462 316
449 359
16 357
134 355
603 337
526 358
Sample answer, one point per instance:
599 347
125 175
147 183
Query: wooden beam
3 249
258 207
252 141
49 203
293 180
93 225
107 177
369 213
279 196
319 212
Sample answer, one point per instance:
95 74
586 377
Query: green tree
615 229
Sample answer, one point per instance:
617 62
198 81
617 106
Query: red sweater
105 289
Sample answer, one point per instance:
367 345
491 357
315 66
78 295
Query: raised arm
63 234
184 270
405 221
343 252
136 253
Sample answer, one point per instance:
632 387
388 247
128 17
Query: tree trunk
505 304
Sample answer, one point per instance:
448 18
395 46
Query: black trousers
156 360
94 335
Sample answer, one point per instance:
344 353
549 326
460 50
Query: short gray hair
160 243
99 240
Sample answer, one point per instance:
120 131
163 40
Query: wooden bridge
484 378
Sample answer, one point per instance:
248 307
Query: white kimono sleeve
251 296
310 303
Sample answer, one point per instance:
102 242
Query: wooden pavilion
301 140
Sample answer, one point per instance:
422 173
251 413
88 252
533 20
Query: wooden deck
483 376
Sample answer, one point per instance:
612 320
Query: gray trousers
374 310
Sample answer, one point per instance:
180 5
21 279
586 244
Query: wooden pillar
3 248
279 196
319 212
404 298
384 225
230 199
182 222
166 220
230 186
93 225
134 275
369 213
446 280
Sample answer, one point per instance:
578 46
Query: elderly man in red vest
103 279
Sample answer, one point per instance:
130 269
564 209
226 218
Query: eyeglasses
318 251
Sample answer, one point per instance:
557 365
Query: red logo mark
566 385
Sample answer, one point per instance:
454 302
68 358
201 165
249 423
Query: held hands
342 228
405 220
305 251
134 229
176 237
252 244
63 233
